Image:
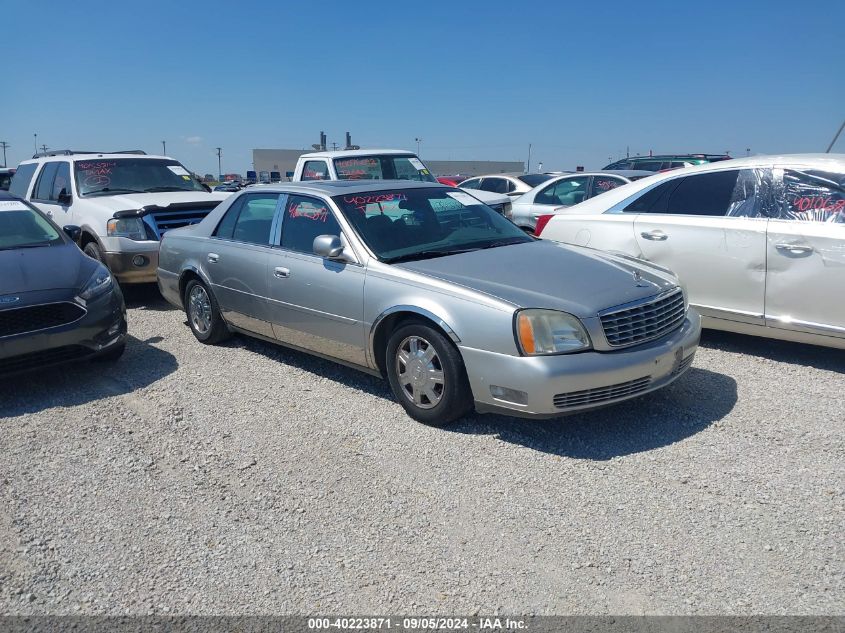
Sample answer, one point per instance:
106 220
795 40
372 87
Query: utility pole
334 146
219 168
164 148
4 144
44 148
833 142
528 170
418 140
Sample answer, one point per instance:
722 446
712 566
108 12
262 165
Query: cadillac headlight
99 283
132 228
542 332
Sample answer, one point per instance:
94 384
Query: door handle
213 258
795 249
655 236
281 273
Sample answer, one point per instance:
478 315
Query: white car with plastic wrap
759 242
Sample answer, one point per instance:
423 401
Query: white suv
123 203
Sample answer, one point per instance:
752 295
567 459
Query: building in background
284 162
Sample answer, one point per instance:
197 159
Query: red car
451 181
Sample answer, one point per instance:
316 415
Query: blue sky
581 81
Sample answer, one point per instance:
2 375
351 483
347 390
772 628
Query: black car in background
56 303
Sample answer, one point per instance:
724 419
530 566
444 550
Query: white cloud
193 140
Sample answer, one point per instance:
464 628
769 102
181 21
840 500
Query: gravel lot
248 478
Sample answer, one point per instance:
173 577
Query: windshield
382 167
24 228
406 224
105 176
532 180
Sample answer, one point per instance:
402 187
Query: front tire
427 375
93 251
204 314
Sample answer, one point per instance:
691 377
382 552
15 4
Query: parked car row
368 261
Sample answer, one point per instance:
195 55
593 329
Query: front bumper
558 385
124 267
100 330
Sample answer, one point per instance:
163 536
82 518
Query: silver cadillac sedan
420 283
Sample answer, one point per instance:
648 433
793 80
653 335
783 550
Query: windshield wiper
426 255
108 190
508 242
170 188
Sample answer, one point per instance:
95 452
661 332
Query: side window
472 183
62 181
306 218
21 179
654 200
704 194
567 192
649 166
511 186
226 227
602 184
255 219
315 170
812 195
494 185
44 187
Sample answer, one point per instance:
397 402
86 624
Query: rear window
532 180
6 179
382 168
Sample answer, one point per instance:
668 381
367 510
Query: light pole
35 142
418 140
833 142
164 148
528 170
219 168
4 144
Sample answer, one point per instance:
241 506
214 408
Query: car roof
348 153
339 187
89 155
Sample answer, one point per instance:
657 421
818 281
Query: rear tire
427 375
204 314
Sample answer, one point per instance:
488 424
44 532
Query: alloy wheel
420 372
199 307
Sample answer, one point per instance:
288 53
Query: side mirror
64 197
72 231
328 246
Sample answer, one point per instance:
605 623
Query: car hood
132 201
545 274
44 268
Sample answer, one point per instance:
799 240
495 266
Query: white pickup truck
380 164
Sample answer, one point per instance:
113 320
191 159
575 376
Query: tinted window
6 180
227 224
45 181
602 184
306 218
472 183
495 185
315 170
532 180
648 166
24 227
255 219
567 192
654 200
813 195
22 178
61 182
704 194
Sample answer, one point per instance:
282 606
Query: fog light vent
509 395
140 261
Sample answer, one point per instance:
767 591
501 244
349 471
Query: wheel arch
392 318
188 273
